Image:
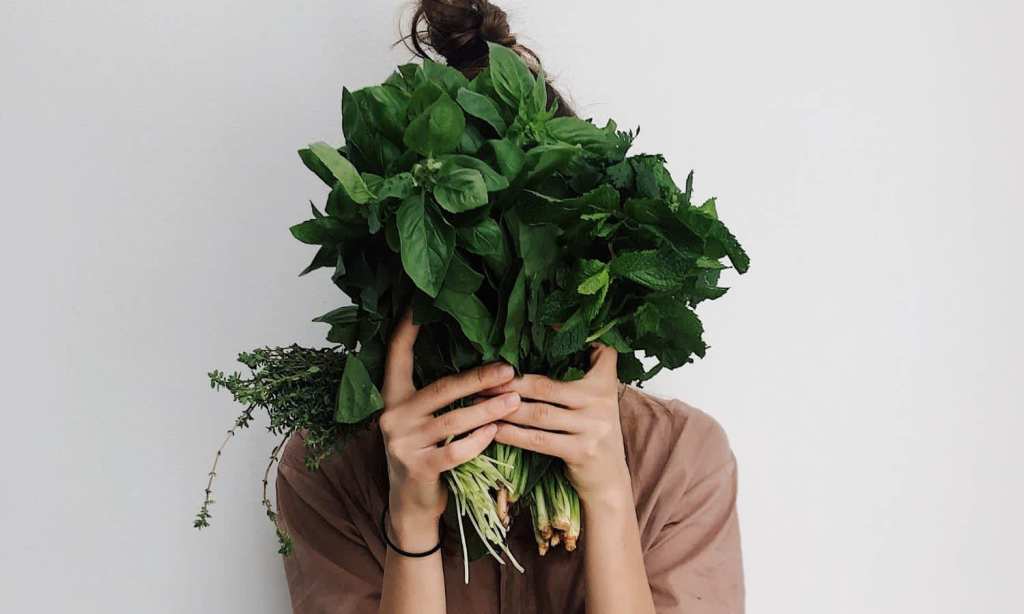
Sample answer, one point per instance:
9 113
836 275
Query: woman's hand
411 432
576 421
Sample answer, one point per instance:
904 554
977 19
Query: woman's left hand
576 421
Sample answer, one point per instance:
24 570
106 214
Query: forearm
616 580
413 585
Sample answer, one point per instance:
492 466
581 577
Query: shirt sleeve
331 569
694 564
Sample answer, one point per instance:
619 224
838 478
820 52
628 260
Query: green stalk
541 522
558 488
542 542
575 525
475 484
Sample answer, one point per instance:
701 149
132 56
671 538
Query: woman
656 478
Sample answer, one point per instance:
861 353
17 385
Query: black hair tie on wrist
391 544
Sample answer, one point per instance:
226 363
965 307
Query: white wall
868 153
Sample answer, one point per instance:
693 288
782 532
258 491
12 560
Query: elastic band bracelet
391 544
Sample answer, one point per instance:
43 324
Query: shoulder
670 443
356 471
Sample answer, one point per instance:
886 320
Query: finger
603 361
545 442
447 390
461 450
398 366
458 421
545 416
542 388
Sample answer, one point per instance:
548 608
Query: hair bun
459 30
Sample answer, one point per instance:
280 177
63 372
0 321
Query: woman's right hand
417 496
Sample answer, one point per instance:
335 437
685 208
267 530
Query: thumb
604 360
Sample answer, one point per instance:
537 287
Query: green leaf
709 207
320 231
487 240
482 107
398 186
515 319
438 129
423 96
704 262
471 140
537 101
492 179
473 317
663 269
427 243
512 79
575 131
344 322
462 277
538 208
326 256
539 247
319 168
387 107
343 171
358 398
460 189
544 160
595 282
450 79
571 337
509 156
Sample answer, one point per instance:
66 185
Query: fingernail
488 429
512 400
505 371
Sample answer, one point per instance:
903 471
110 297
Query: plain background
867 369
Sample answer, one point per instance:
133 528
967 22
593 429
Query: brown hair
459 30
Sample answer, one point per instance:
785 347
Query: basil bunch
513 234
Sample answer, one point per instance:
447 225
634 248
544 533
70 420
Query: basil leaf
343 171
492 179
460 189
544 160
319 168
482 107
427 243
437 130
462 277
486 239
358 397
509 156
320 231
448 78
473 317
325 257
539 247
515 319
512 80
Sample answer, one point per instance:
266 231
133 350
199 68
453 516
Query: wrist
615 497
412 530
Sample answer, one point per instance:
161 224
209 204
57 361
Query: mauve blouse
684 486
